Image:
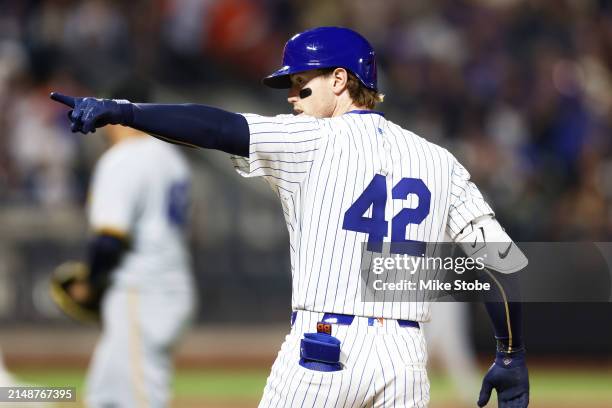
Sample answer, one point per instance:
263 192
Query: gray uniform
140 190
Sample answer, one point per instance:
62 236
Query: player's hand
508 375
81 292
87 114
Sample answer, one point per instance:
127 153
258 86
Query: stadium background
520 91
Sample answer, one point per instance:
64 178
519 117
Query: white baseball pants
383 366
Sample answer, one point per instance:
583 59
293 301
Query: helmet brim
281 78
277 81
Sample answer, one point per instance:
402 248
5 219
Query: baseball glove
73 293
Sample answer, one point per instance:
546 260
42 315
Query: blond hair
361 95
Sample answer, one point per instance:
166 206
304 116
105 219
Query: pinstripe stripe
306 392
275 169
279 152
311 242
295 393
374 392
400 354
326 224
331 382
408 348
363 156
356 393
280 161
277 142
277 378
419 359
289 374
382 373
325 235
403 173
371 210
339 216
424 166
367 156
393 369
355 364
351 251
281 179
395 177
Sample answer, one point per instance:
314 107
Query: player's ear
339 80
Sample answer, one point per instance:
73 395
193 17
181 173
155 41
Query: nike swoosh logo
504 254
476 239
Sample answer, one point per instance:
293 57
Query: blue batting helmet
326 47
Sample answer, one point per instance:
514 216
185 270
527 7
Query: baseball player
345 176
138 207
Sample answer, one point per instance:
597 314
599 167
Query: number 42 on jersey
376 226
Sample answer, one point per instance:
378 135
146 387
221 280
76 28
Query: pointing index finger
65 99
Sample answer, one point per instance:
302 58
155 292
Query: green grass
572 386
578 387
188 383
567 387
241 384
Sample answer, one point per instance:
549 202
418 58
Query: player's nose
293 96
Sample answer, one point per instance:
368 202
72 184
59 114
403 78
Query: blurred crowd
519 90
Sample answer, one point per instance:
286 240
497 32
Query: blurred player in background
138 209
449 331
329 164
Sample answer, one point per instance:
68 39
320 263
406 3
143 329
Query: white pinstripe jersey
321 168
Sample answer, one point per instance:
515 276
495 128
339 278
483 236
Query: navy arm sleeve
506 316
192 125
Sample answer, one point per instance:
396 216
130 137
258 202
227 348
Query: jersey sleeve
466 201
113 197
281 149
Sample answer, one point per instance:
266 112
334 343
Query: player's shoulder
160 148
115 155
282 119
138 153
420 141
295 128
162 156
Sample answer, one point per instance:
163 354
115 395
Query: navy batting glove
87 114
508 375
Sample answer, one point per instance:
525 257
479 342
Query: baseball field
552 386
